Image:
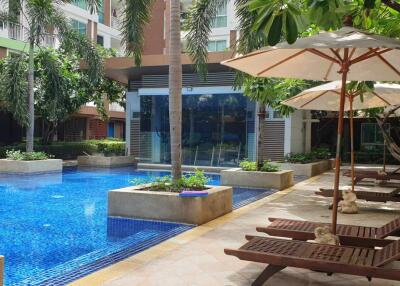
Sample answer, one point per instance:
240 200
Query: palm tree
136 15
44 20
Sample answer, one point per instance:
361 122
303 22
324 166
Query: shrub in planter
304 158
26 156
267 166
68 150
111 148
192 182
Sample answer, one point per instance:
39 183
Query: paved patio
197 258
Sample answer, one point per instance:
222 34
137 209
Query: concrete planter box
106 162
254 179
135 202
37 166
308 169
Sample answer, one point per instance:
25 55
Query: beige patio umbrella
327 97
346 54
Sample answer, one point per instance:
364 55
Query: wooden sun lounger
366 195
349 234
359 175
282 253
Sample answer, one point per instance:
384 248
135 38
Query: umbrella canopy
320 57
346 54
327 97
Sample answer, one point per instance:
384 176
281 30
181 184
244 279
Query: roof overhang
123 69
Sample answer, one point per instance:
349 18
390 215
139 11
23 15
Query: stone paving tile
197 257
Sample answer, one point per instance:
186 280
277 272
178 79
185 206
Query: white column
132 105
288 135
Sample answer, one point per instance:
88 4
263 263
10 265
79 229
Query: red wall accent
97 129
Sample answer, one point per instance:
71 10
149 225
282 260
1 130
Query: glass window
100 40
216 46
79 26
221 18
371 134
277 114
216 129
79 3
100 12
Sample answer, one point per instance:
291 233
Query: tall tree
61 88
43 19
136 15
175 89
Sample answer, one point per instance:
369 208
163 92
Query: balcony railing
115 23
16 31
116 107
48 40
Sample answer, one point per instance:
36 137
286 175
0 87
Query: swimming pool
54 227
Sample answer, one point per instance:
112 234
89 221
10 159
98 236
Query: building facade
102 28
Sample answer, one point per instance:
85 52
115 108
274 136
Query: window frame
222 13
215 43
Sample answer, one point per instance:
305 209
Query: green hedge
71 150
313 156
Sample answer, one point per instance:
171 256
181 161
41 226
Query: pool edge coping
116 270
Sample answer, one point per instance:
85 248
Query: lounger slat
348 253
354 257
387 254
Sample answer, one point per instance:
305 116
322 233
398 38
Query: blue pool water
54 227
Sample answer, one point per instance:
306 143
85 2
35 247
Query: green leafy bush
304 158
68 150
196 181
267 166
248 165
26 156
71 150
111 148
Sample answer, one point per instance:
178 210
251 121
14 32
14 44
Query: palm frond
78 44
199 24
136 15
14 87
249 38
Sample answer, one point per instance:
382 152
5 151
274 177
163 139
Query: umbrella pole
344 71
351 142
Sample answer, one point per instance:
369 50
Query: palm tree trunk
260 139
175 89
31 100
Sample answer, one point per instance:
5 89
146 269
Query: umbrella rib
328 71
314 98
336 53
256 53
388 64
380 97
323 55
370 54
352 53
281 62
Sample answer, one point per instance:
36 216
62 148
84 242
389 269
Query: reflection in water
30 181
